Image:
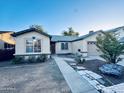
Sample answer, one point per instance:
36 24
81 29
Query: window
91 42
33 45
64 46
8 46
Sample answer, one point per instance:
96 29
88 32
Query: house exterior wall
60 51
21 43
83 45
120 33
78 45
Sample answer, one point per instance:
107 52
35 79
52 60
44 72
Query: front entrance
52 47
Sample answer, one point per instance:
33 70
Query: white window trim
33 46
64 43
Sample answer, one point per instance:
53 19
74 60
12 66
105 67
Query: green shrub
32 59
17 60
42 58
84 60
79 59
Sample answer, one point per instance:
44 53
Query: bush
42 58
18 60
31 59
6 54
79 59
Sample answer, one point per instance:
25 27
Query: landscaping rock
112 69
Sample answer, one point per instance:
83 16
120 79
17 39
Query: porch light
34 39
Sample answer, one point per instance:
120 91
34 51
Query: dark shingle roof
58 38
87 35
29 30
5 32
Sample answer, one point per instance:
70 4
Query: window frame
33 46
64 46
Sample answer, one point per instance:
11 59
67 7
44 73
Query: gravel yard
93 65
32 78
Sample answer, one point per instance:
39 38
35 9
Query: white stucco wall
120 33
82 44
60 51
78 45
20 46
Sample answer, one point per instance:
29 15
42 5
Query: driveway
32 78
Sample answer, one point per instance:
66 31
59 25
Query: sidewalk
74 80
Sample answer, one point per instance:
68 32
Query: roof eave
32 30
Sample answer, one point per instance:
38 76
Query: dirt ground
32 78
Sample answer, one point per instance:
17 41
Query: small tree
110 47
70 32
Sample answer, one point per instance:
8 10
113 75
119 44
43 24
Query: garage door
92 48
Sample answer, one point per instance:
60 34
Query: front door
53 47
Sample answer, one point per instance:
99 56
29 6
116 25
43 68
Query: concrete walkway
74 80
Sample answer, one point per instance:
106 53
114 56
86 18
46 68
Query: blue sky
57 15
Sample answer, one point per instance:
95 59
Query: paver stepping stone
80 68
72 64
87 78
119 88
94 82
81 72
94 75
90 77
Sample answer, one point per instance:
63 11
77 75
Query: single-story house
31 41
71 44
86 43
6 40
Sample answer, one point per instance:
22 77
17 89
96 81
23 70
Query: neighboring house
6 40
119 31
31 41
